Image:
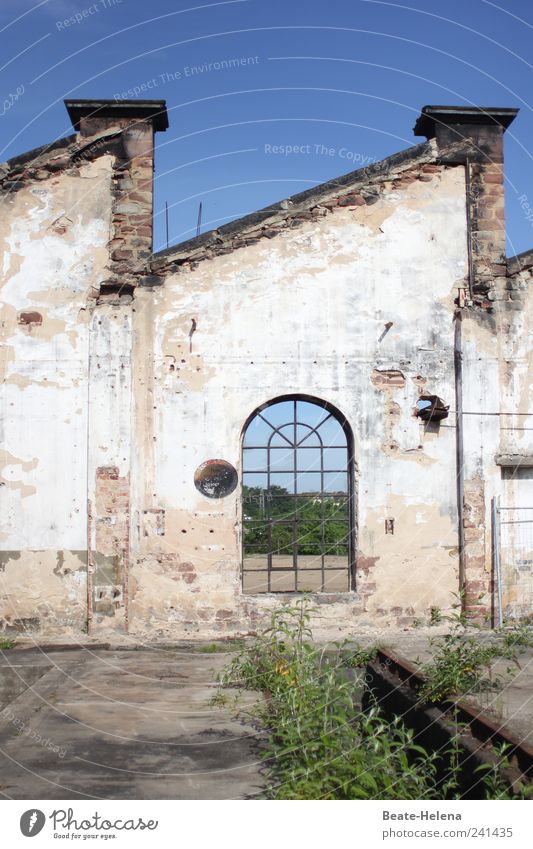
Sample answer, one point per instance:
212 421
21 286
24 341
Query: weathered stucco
54 237
123 373
303 313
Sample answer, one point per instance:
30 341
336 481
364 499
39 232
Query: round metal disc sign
215 478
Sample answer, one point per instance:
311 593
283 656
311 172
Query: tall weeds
320 744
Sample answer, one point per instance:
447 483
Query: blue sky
340 82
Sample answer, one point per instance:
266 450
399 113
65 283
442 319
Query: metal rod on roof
199 222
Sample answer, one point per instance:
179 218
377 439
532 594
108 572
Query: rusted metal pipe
474 726
468 191
459 448
497 618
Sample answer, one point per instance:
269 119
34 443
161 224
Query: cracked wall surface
303 312
123 374
54 234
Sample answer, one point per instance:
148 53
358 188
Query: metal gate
512 558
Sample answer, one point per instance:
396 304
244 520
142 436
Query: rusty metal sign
215 478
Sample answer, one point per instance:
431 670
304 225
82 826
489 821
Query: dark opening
431 408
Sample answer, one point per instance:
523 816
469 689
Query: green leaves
320 745
461 662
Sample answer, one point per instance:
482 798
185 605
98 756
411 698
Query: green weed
359 657
220 699
210 648
462 660
319 744
435 616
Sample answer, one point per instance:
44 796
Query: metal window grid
294 442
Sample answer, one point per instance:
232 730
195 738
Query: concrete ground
121 723
89 723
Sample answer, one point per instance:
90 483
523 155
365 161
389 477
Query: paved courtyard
91 723
88 722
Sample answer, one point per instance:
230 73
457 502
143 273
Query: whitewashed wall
303 313
53 236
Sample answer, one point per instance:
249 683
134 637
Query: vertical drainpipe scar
459 448
469 247
125 586
87 486
89 568
191 331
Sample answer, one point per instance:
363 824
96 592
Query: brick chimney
482 129
124 128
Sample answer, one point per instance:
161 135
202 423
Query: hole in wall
431 408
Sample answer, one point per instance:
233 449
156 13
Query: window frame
351 496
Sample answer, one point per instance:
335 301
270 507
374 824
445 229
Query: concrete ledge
514 461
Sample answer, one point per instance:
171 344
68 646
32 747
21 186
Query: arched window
297 499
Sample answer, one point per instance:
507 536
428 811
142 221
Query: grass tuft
320 745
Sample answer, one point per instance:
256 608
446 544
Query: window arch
297 494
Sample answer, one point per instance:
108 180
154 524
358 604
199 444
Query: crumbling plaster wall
515 326
514 483
497 385
303 312
54 233
497 389
481 394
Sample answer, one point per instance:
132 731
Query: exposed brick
224 614
30 319
107 472
351 200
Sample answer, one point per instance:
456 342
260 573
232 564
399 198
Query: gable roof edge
16 162
520 262
291 206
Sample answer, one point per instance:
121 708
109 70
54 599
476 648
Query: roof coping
142 109
449 115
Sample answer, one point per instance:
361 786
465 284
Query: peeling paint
125 374
53 253
302 312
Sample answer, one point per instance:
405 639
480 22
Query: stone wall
76 236
336 304
54 234
123 374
